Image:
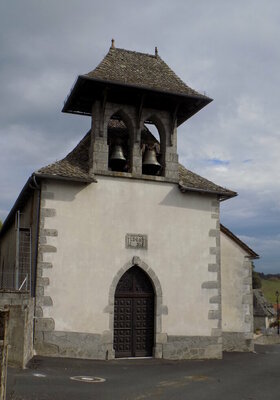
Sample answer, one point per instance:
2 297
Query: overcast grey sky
228 49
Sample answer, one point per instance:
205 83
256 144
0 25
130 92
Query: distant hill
269 276
269 287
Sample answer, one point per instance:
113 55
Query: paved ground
239 376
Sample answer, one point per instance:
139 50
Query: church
118 246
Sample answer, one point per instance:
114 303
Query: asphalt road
239 376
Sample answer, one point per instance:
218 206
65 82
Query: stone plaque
136 241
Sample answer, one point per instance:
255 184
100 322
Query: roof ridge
133 52
135 71
132 67
113 49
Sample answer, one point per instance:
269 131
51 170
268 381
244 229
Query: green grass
269 288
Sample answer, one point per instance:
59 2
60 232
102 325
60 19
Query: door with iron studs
134 315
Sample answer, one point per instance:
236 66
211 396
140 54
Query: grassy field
269 288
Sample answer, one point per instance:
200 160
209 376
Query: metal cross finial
156 51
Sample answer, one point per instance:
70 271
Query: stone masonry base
74 345
237 341
192 347
96 346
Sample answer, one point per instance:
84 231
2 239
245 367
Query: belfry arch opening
152 152
119 143
134 315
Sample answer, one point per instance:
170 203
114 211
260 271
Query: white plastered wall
92 221
234 290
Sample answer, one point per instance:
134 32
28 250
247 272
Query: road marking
39 375
198 378
88 379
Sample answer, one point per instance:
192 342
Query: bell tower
126 93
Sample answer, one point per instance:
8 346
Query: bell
117 159
150 164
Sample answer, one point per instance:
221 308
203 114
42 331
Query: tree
257 282
1 224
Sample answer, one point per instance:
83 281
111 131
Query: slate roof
236 239
76 166
130 77
191 181
262 308
140 69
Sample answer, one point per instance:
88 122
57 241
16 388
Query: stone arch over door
134 316
159 337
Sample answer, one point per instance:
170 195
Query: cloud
229 50
217 162
268 248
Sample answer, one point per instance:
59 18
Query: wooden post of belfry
4 316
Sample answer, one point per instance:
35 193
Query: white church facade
125 243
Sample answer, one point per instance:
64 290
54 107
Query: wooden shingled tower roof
140 69
127 75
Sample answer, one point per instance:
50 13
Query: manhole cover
88 379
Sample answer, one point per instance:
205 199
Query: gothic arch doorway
134 315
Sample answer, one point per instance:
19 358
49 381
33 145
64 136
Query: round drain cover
88 379
39 375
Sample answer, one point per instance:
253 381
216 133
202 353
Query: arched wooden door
134 315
